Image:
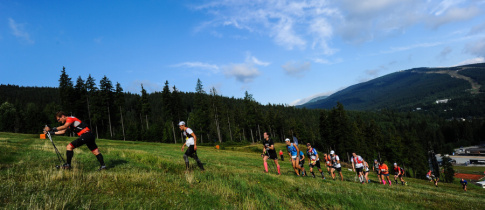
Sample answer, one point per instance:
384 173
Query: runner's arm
60 128
195 140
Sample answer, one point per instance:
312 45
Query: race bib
313 161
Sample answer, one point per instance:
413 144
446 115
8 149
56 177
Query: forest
388 135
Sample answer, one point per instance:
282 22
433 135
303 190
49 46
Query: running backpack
402 170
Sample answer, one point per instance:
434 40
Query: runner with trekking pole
269 152
191 142
85 137
59 156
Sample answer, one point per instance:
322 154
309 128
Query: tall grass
152 176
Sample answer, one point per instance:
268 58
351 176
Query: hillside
417 88
144 175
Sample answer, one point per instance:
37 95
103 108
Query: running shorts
85 138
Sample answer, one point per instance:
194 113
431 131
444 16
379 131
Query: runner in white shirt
358 166
336 165
190 141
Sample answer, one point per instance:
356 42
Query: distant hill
417 89
317 99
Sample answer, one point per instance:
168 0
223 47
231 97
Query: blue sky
283 52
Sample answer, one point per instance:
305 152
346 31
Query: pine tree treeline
404 138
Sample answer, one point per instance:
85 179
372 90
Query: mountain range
450 91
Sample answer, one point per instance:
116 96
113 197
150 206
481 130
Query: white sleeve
189 132
336 158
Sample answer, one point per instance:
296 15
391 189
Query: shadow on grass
117 162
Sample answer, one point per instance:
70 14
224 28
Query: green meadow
143 175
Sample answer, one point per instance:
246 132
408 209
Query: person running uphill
384 173
366 171
269 152
336 166
398 172
432 177
191 142
463 183
358 166
293 153
314 160
85 137
302 163
328 162
375 167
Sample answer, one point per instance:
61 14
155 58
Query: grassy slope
151 175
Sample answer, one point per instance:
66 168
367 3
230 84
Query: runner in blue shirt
293 152
463 182
302 163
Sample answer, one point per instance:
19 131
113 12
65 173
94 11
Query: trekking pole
59 156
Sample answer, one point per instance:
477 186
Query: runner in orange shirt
384 173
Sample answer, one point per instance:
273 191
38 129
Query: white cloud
297 24
455 15
444 5
253 60
323 33
285 36
18 31
472 61
307 99
296 69
243 72
198 65
287 22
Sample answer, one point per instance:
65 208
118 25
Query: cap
308 145
332 152
287 139
375 160
181 123
395 164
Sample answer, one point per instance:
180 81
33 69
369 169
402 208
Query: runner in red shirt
85 137
398 172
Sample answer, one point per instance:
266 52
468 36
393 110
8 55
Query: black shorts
358 170
190 151
271 154
302 163
339 169
85 138
365 172
317 164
